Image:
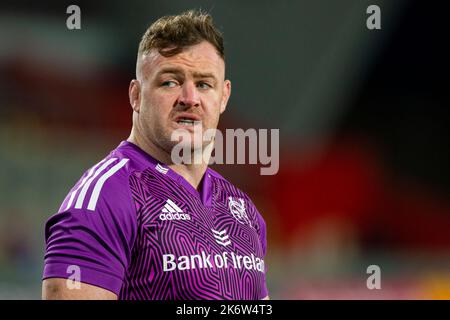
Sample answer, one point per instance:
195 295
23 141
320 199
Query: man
139 225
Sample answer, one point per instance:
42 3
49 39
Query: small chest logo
171 211
237 209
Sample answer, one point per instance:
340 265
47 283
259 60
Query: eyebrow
204 75
178 71
169 70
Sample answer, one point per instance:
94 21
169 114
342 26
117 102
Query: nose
189 96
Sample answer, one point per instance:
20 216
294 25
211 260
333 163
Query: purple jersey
135 227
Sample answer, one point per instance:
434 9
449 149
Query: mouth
187 120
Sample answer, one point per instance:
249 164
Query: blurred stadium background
364 132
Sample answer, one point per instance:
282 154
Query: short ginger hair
169 35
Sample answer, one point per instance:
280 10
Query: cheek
157 106
213 109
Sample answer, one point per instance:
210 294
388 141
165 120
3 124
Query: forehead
201 57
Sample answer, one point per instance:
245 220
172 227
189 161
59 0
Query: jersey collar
204 192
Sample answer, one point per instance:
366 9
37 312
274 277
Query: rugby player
138 225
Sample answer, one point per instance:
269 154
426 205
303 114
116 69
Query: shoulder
105 183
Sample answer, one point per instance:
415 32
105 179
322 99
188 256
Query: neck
192 173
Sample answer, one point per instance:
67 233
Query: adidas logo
171 211
221 237
98 175
161 169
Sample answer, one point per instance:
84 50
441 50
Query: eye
169 84
204 85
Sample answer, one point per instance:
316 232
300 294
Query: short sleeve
94 229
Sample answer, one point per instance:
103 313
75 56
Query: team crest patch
237 209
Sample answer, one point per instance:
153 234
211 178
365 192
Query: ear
134 94
225 95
